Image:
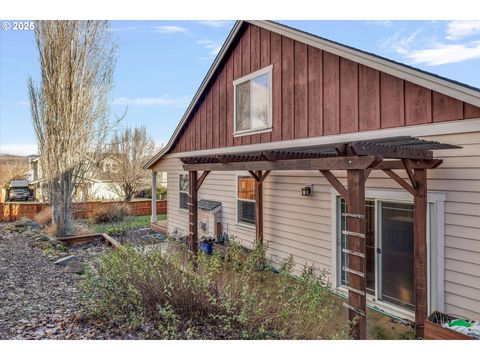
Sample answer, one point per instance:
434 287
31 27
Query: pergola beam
328 163
409 171
417 164
400 181
335 183
202 178
390 151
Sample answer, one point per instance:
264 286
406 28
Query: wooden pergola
358 158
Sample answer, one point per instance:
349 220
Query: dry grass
110 213
44 217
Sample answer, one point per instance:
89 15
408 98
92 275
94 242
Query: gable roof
455 89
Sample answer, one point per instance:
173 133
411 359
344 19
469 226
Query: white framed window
253 102
183 191
389 245
246 200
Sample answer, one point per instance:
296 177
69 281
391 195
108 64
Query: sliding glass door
395 243
389 250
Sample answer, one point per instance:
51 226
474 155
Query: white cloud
420 47
445 54
213 47
127 28
216 23
170 29
160 101
399 43
459 29
19 149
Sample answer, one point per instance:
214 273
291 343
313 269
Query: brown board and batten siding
314 93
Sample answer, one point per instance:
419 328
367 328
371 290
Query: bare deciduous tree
12 168
129 151
70 105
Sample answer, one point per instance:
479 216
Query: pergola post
356 251
420 250
154 197
193 212
259 208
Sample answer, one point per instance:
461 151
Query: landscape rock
66 260
27 223
75 267
40 301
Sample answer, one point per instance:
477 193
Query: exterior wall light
307 190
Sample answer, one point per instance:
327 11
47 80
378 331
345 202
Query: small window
183 191
253 102
246 200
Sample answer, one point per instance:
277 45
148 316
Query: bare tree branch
129 151
69 106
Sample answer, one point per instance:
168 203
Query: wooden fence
16 210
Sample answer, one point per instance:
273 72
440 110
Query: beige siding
301 227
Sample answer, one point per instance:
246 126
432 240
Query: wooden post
356 253
154 197
420 250
259 207
193 212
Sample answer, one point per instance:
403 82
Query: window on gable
253 102
183 191
246 200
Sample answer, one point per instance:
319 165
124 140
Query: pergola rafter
358 158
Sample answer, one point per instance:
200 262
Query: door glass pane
370 244
397 253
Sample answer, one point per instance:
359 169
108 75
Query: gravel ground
40 301
141 237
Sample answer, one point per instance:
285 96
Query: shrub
110 213
211 297
44 217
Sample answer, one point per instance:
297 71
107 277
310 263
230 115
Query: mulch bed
40 301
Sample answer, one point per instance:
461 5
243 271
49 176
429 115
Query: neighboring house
275 94
97 184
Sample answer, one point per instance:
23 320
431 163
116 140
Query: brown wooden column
193 212
420 250
356 251
259 208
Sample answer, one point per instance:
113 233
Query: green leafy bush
225 296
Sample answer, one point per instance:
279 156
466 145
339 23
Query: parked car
19 191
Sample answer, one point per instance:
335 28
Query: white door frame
435 248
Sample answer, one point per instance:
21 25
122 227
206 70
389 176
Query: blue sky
161 64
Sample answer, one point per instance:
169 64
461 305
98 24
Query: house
288 129
97 185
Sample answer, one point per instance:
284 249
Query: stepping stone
66 260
